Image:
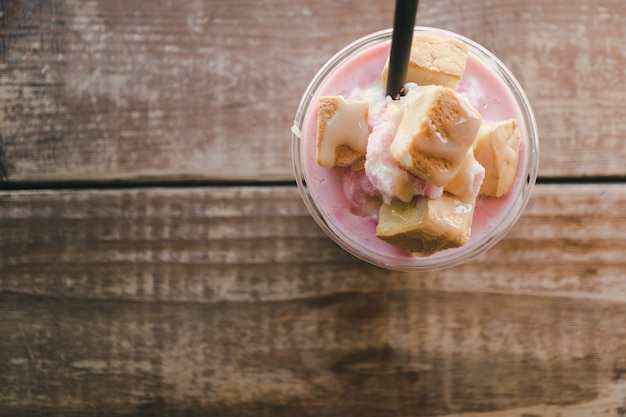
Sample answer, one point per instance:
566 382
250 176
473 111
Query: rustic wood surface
207 89
156 258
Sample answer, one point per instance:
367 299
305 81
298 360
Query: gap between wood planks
128 184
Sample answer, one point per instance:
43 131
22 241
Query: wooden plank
259 243
207 90
416 353
230 301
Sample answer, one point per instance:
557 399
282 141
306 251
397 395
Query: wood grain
231 301
207 90
259 243
186 296
415 353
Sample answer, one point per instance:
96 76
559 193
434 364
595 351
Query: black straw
403 25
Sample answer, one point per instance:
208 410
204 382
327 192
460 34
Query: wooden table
156 257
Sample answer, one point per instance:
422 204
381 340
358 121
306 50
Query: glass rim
450 257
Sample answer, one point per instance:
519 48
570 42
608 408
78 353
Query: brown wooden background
156 258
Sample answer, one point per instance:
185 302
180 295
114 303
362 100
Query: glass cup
360 64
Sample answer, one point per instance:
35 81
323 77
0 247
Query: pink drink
489 87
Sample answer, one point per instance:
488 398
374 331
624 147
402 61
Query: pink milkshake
343 208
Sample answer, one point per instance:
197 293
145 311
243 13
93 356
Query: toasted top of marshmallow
342 132
497 149
425 226
435 61
435 133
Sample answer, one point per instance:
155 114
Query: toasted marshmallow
434 61
497 149
342 132
425 226
435 133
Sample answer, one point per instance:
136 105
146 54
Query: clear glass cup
321 189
